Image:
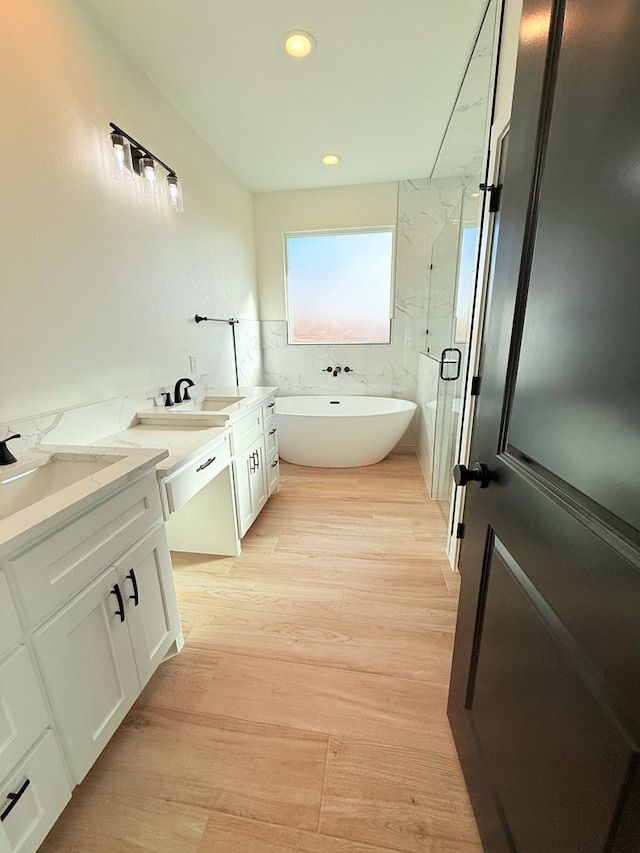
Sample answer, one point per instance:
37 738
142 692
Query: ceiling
378 90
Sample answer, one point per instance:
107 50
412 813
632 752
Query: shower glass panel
453 277
452 288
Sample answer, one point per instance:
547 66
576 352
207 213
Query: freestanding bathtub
340 431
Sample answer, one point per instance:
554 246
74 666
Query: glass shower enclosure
454 263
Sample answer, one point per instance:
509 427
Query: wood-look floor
306 713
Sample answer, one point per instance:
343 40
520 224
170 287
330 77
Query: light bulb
123 167
150 183
175 193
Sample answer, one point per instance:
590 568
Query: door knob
478 473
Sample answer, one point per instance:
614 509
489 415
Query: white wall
99 284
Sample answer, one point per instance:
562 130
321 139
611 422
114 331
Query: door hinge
460 530
475 386
495 195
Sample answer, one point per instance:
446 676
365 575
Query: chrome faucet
178 397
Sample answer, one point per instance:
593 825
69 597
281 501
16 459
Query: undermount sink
209 404
212 410
20 488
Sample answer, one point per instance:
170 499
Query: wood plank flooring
306 712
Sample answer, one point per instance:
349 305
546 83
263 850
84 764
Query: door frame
506 39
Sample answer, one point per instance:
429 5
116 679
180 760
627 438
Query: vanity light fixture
331 159
299 44
132 158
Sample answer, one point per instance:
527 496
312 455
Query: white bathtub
340 431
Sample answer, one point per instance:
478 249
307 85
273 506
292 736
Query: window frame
330 232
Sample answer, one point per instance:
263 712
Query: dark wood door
545 689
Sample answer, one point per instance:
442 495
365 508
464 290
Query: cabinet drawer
273 475
10 630
22 712
271 441
43 791
269 414
246 429
53 571
186 482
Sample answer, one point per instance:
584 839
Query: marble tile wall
84 424
424 206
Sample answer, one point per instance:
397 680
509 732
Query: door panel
574 378
545 689
541 721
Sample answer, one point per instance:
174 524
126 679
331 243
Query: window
340 286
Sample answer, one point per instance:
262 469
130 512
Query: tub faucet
177 396
337 371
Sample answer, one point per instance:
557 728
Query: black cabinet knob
478 473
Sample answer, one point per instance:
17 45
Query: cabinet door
85 657
145 575
23 715
243 468
259 478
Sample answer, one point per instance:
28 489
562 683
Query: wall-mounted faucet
6 456
178 397
337 370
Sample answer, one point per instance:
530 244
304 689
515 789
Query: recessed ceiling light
299 44
331 159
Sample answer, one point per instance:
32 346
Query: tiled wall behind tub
380 370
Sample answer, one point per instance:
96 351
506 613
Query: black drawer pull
273 464
273 431
132 577
14 799
271 405
120 612
206 464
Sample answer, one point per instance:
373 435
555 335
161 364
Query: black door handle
120 612
14 799
478 473
457 361
131 575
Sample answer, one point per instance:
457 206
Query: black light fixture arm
142 148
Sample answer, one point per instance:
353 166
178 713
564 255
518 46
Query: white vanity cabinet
98 652
249 466
34 786
271 446
87 612
251 484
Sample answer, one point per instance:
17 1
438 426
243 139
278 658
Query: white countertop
228 414
166 447
181 441
29 522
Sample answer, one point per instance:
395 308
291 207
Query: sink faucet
337 371
6 456
177 396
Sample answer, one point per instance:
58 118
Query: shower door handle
457 360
